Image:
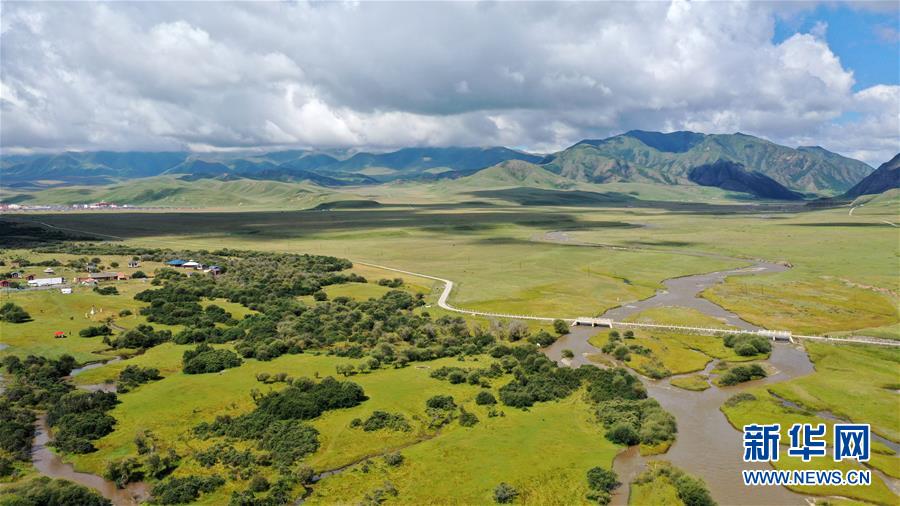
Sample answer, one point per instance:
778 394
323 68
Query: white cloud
534 75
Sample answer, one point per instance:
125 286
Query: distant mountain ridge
634 156
668 158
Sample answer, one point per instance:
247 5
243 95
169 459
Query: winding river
707 445
50 464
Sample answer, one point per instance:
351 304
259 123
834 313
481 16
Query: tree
629 334
568 353
13 313
320 296
504 493
561 327
138 275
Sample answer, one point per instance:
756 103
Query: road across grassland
448 288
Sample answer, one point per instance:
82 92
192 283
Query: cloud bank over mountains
538 76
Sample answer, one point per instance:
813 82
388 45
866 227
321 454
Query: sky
538 76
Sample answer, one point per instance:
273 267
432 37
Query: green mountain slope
511 174
886 177
668 158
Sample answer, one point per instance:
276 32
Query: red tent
59 333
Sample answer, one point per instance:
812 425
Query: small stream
706 445
50 464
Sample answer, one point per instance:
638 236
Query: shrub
567 353
94 331
504 493
560 327
466 418
624 434
444 402
106 290
741 374
123 472
320 296
259 484
736 399
485 398
384 420
125 312
393 459
184 490
138 275
602 479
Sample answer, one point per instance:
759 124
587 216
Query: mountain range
735 162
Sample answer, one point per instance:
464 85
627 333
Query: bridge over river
680 292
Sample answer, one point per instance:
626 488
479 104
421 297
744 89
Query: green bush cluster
13 313
379 420
184 489
133 376
692 491
95 330
630 421
747 345
44 491
206 359
742 373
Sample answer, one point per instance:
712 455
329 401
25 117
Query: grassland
544 453
497 251
694 382
670 353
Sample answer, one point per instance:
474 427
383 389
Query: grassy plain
497 249
694 382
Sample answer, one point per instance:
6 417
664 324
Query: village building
66 290
101 276
44 282
48 270
175 263
134 263
191 265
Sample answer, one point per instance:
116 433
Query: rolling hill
170 191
